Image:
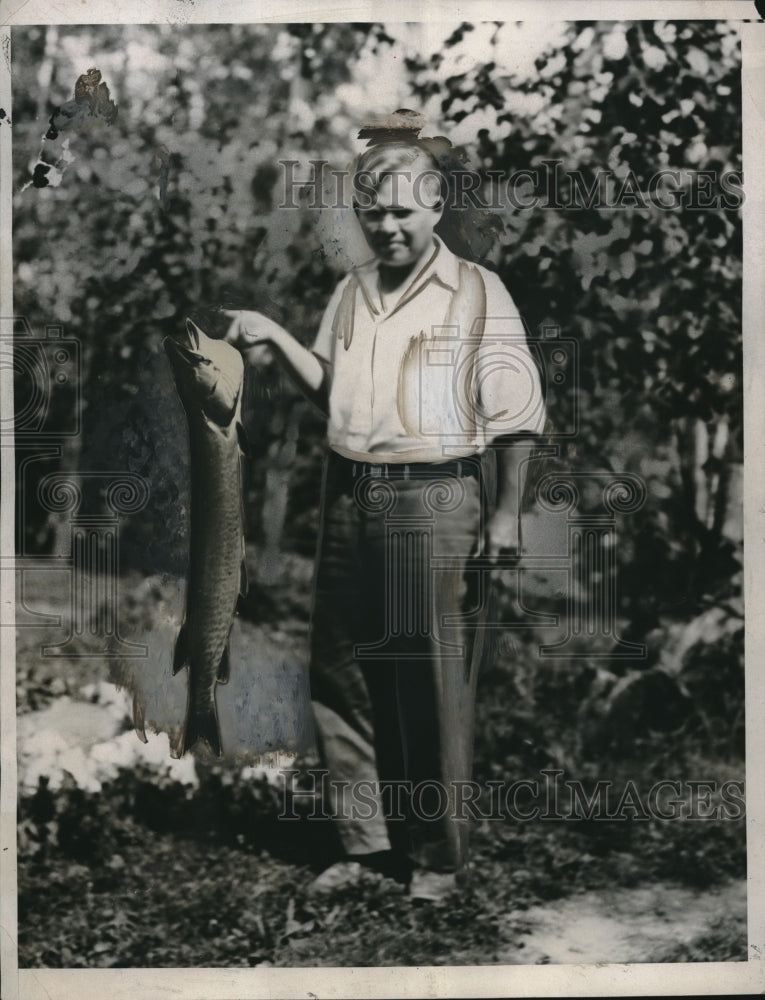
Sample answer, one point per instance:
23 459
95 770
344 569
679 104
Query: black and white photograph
379 422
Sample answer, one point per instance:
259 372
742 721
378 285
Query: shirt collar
443 268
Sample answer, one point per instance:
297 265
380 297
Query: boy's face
399 225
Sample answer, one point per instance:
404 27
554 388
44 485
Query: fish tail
202 724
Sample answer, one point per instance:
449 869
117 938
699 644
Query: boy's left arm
513 404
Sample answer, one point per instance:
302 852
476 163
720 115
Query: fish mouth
193 331
180 352
188 351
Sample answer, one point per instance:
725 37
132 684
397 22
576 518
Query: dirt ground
130 859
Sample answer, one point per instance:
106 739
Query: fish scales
209 376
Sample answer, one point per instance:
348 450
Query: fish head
208 373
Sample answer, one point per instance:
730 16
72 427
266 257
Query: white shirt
436 369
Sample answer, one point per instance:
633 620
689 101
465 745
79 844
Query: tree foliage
175 207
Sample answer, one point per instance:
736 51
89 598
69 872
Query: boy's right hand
248 328
252 333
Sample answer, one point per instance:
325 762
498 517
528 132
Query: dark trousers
393 666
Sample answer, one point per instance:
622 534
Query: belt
456 467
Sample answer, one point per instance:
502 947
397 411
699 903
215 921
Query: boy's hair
380 161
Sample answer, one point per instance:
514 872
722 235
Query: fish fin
139 719
181 654
244 440
202 726
224 667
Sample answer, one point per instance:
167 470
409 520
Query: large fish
209 377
